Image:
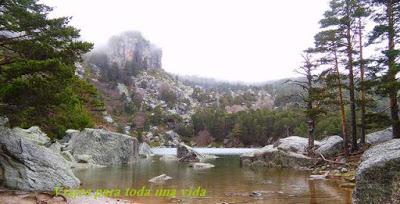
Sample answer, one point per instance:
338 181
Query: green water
227 182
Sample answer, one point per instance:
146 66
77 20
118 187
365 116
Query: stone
145 150
68 135
29 166
106 148
188 154
270 156
330 146
34 134
294 144
68 156
84 158
199 165
344 170
379 137
160 179
56 147
168 158
319 177
378 176
172 138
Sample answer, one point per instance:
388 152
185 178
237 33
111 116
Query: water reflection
227 182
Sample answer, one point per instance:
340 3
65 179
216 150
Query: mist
247 41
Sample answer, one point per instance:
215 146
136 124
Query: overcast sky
236 40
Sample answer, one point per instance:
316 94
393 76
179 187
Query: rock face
379 137
294 144
330 146
29 166
270 156
106 148
187 154
378 176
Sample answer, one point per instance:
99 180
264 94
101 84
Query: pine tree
312 97
386 15
341 16
37 66
327 43
361 13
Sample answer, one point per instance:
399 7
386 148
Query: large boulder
106 148
294 144
34 134
378 176
379 137
27 165
270 156
188 154
330 146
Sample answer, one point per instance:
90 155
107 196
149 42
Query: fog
233 40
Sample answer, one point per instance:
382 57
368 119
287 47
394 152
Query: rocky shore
375 174
30 162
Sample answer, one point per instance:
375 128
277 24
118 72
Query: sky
233 40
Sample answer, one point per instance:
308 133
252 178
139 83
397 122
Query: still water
226 183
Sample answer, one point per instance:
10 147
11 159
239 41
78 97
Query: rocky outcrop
29 166
294 144
330 146
379 137
378 176
106 148
188 154
270 156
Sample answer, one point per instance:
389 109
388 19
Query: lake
226 183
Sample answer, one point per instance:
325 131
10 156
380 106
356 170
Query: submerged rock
378 176
160 179
168 158
199 165
379 137
106 148
29 166
330 146
188 154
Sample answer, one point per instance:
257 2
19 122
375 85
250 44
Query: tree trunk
394 107
342 110
310 120
353 122
362 73
310 132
